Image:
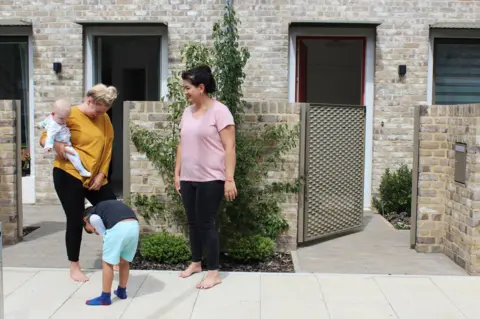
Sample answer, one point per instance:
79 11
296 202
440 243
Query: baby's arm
97 222
52 129
42 124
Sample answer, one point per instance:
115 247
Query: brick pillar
9 213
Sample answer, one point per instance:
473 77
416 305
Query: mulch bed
281 262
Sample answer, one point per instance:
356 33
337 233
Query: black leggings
202 201
72 195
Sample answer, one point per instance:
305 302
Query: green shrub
251 248
165 248
395 192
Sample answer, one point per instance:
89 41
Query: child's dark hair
86 214
201 75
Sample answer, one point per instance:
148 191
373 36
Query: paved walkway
378 249
45 247
50 294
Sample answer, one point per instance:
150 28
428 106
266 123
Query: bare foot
116 268
76 273
192 269
211 280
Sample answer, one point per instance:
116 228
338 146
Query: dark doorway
132 65
330 70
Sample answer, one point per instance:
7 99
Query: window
14 84
456 71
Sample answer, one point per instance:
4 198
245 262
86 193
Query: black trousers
72 195
202 201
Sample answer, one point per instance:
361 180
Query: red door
301 75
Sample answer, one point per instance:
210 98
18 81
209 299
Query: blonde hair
62 105
102 94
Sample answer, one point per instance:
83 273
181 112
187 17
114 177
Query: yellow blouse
92 139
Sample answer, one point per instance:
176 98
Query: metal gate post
2 314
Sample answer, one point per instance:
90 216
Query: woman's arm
43 138
109 135
58 146
228 139
178 165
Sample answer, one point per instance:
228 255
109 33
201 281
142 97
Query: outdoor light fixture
402 70
57 67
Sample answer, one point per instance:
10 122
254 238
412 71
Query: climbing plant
256 212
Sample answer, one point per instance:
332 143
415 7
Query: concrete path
378 249
45 247
49 294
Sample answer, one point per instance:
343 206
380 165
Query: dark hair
86 215
201 75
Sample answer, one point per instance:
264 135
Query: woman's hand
177 184
97 182
60 150
230 190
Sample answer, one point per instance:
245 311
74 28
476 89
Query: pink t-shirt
203 155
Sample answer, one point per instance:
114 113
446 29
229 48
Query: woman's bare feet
210 280
192 269
76 272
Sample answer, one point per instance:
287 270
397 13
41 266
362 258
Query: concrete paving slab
15 279
237 297
464 292
284 296
49 293
92 289
164 295
40 296
417 298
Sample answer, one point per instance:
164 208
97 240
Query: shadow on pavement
44 229
159 313
366 220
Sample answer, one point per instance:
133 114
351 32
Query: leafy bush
256 211
252 248
395 192
165 248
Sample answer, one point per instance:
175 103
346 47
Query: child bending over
57 130
119 226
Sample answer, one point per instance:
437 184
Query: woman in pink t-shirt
204 169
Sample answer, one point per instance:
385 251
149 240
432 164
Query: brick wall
8 170
449 212
145 178
402 38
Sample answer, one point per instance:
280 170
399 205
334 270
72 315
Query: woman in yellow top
92 137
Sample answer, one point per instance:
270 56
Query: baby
56 126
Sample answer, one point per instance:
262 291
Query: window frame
460 34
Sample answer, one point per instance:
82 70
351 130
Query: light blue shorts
121 241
